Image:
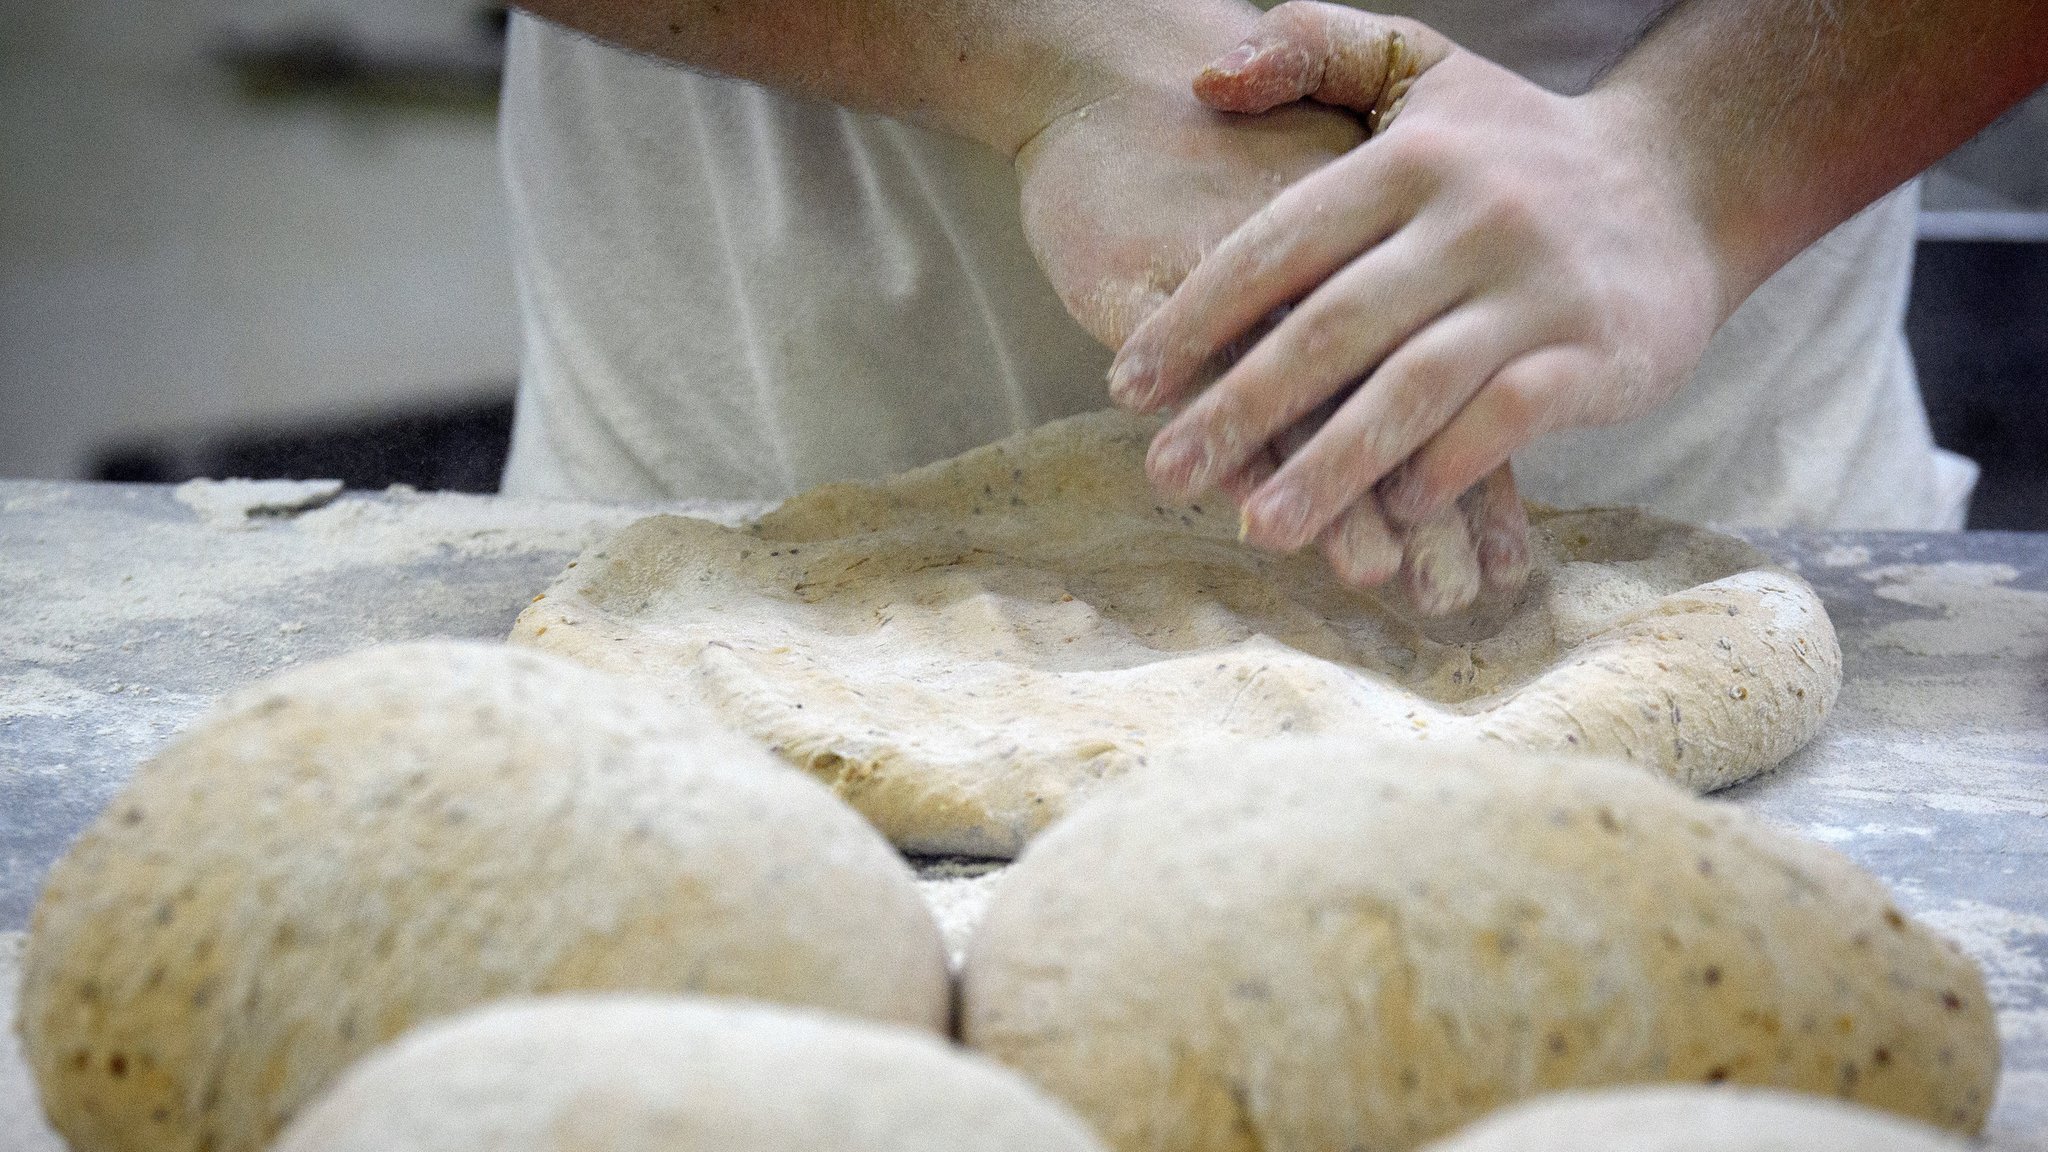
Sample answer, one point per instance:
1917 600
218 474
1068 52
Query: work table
125 610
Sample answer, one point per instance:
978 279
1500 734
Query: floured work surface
127 613
967 649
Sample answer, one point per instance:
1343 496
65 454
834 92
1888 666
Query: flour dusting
958 892
233 504
1979 614
2004 943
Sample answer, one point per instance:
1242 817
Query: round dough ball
645 1074
1329 945
1684 1118
340 852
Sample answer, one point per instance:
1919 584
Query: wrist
1157 49
1729 231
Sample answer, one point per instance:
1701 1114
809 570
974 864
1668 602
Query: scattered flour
95 607
1845 556
41 692
1979 616
958 893
2020 1121
234 504
1997 938
1836 834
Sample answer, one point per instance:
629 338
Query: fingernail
1133 379
1236 59
1185 464
1503 560
1284 516
1422 586
1440 587
1370 554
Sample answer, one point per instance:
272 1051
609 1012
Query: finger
1362 550
1500 530
1521 402
1407 399
1440 571
1339 333
1306 234
1241 484
1332 54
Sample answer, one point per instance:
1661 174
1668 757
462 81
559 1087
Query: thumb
1323 52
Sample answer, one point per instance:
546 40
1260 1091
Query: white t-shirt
731 292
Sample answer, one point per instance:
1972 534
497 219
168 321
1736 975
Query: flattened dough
966 650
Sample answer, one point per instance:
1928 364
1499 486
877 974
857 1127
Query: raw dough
965 650
647 1074
1690 1119
1329 946
347 849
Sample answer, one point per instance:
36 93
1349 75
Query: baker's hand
1123 196
1499 262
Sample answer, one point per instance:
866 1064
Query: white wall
173 257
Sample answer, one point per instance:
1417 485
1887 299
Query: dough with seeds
1330 945
345 850
965 651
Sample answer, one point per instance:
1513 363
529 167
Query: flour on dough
622 1073
966 650
1689 1118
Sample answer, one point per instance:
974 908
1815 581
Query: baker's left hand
1501 261
1121 197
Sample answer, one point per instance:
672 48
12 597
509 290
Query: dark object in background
1978 324
324 61
452 448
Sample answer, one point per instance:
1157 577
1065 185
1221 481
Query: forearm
1781 118
996 71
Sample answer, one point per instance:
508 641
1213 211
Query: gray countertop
124 610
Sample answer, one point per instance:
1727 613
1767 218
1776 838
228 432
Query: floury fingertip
1184 462
1133 380
1235 60
1284 517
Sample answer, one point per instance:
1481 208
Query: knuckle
1236 414
1504 212
1416 152
1517 403
1429 373
1321 327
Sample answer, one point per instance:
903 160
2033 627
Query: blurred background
266 239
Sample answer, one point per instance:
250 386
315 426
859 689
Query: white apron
731 292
